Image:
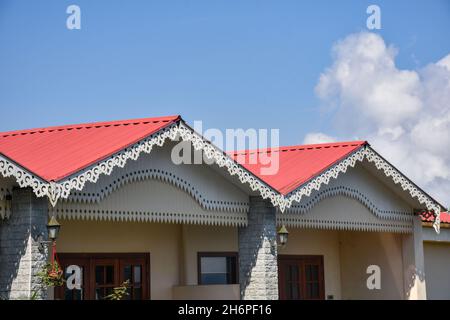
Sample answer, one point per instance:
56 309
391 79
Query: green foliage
51 275
119 292
34 295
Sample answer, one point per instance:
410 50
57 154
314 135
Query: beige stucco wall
437 266
199 238
160 240
318 242
347 255
173 250
358 250
210 292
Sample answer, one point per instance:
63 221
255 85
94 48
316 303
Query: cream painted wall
318 242
173 249
211 292
205 239
437 262
347 255
358 250
162 241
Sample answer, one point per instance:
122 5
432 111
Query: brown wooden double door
300 277
101 273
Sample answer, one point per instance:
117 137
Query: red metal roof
297 164
54 153
428 216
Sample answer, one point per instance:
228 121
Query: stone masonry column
258 268
20 258
413 263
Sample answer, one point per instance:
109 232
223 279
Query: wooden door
102 272
301 277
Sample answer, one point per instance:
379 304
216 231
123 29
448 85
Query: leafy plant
119 292
51 275
34 295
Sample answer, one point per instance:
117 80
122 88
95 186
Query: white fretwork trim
238 219
354 194
358 156
294 221
23 178
57 190
406 184
164 176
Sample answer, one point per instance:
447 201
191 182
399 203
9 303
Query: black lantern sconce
53 227
282 236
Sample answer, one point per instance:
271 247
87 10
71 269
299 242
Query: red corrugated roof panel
428 216
297 164
54 153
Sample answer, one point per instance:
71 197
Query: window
217 268
101 273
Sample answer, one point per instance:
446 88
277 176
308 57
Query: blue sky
232 64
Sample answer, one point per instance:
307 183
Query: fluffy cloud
405 114
318 137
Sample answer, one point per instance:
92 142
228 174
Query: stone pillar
413 263
20 258
258 268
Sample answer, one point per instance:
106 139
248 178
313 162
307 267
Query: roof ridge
89 125
301 147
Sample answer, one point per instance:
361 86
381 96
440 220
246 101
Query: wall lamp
53 227
282 236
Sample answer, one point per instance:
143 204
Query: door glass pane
127 273
295 291
99 293
134 274
312 272
313 290
287 284
109 274
315 272
68 295
137 274
293 273
99 275
292 282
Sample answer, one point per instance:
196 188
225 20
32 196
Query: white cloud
318 137
405 114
